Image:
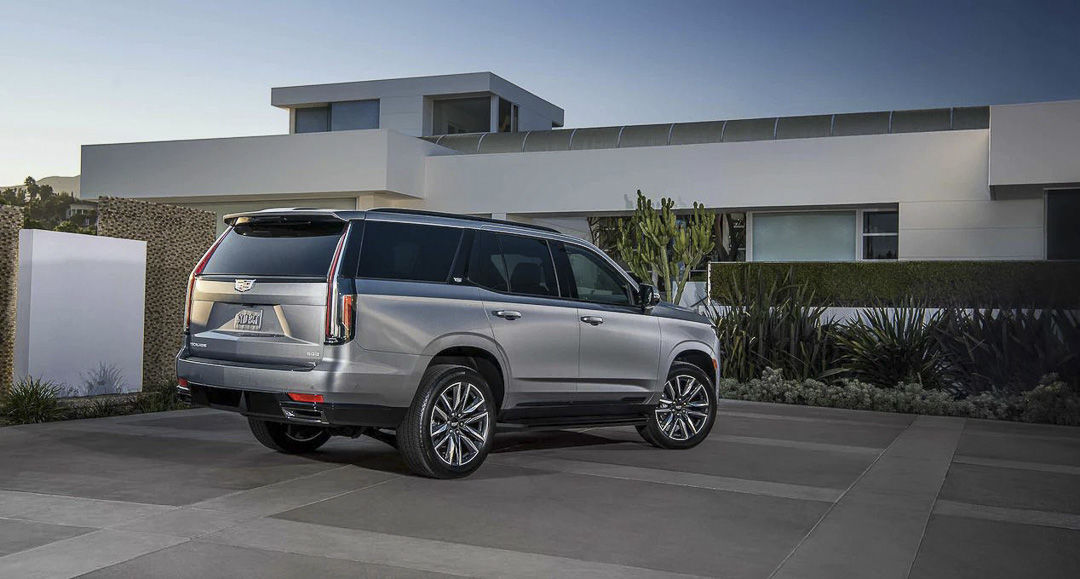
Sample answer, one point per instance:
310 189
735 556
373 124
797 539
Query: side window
486 265
528 262
595 279
407 251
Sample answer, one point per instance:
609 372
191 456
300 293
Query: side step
553 423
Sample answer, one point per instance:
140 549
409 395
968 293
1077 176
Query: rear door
261 297
535 327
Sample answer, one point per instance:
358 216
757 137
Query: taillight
339 308
312 398
191 278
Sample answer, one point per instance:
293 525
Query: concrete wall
299 165
11 219
176 238
1034 145
80 311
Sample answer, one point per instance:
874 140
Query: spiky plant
889 346
30 400
658 243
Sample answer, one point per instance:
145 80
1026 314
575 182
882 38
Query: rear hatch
261 296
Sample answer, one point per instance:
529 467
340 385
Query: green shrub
1052 402
769 323
30 400
894 346
968 284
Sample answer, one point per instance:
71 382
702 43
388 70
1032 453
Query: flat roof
438 85
723 131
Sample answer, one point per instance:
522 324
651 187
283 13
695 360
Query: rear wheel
288 438
448 429
686 411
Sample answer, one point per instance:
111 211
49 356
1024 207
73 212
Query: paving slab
875 529
731 459
421 554
16 535
1013 488
82 554
198 560
1023 445
848 433
960 547
589 518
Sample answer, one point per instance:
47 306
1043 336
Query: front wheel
288 438
686 411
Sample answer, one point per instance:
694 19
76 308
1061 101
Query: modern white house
990 182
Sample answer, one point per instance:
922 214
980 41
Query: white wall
80 305
1036 143
299 164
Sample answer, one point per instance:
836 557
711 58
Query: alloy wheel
684 407
459 423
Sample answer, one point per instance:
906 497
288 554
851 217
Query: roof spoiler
283 215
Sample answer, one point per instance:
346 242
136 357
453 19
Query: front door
620 344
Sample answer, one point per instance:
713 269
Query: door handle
507 314
594 320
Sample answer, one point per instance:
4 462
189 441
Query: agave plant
767 323
1009 351
890 346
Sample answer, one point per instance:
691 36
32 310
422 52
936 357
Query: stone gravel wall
176 238
11 219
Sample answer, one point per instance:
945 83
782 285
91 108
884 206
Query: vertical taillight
338 325
191 278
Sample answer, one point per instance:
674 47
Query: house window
1062 216
461 115
880 237
803 236
352 115
312 120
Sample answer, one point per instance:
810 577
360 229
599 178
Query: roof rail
465 217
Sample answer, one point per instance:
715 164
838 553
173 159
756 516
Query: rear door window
528 263
408 251
486 266
277 249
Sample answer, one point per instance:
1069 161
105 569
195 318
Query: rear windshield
408 251
277 249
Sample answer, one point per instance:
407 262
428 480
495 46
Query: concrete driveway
778 491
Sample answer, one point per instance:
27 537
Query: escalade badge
243 285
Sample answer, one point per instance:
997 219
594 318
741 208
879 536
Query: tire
453 409
676 422
288 438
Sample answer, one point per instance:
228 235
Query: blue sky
118 70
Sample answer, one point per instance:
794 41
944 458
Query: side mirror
648 295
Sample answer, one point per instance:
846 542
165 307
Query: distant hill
59 184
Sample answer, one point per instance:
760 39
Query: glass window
528 261
276 249
407 251
461 115
312 119
880 239
350 115
1062 217
809 236
486 265
595 280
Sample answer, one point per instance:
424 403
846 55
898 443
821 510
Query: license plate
248 320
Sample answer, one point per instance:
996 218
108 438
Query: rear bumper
279 408
379 379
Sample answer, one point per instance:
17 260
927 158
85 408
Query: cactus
654 242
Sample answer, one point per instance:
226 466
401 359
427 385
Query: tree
658 243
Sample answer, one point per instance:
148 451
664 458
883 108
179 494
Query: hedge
973 284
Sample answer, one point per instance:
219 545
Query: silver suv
427 331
